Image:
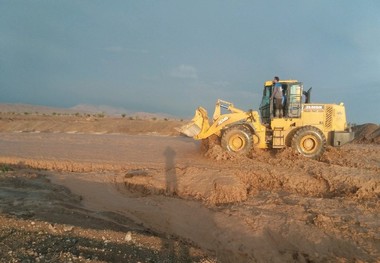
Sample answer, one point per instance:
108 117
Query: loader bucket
190 130
197 125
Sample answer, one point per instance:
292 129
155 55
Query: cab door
266 105
294 100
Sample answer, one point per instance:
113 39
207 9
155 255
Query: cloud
184 72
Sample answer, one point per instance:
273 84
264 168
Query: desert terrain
80 187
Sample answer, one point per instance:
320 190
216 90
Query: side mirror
307 95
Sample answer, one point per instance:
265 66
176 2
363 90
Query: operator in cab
277 97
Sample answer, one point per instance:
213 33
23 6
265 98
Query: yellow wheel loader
306 127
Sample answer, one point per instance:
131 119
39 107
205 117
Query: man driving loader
277 97
305 127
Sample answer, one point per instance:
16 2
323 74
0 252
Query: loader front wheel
237 139
309 141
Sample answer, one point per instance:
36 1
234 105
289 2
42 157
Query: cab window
267 91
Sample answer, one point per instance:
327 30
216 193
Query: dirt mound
217 153
333 176
367 133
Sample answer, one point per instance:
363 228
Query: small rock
136 172
52 228
128 237
67 228
17 203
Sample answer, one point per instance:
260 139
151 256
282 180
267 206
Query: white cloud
184 72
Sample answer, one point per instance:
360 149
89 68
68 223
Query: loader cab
292 92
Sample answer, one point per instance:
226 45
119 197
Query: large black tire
237 139
310 142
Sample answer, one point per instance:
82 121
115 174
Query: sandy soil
153 198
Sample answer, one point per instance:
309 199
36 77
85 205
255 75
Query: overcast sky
172 56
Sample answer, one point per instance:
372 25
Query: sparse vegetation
123 115
5 168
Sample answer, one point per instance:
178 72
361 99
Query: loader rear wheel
309 141
237 139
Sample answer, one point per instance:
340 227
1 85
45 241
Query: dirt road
271 207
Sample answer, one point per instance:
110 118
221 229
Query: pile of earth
367 133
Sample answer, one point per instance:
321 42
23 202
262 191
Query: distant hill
82 108
91 109
28 108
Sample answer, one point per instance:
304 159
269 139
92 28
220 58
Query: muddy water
109 148
269 227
